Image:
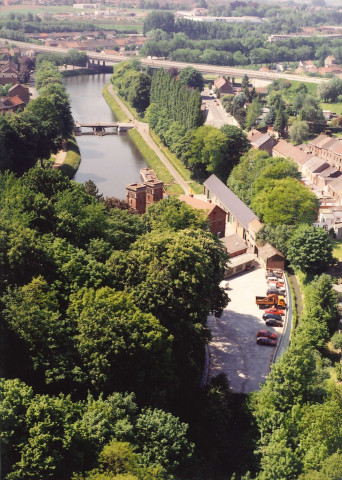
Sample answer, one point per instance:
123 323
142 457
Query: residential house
224 86
328 148
297 154
216 216
334 69
10 104
306 66
329 61
325 177
335 189
312 167
20 91
261 141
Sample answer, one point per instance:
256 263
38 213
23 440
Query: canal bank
175 184
111 161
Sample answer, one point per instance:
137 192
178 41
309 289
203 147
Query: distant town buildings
8 72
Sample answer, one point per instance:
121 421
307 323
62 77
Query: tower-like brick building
140 195
154 191
136 197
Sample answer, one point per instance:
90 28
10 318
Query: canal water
111 161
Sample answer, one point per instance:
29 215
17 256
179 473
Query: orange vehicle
270 301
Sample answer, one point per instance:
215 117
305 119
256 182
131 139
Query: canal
111 161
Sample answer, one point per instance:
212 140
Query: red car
266 333
266 341
274 310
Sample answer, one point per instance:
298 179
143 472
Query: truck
271 300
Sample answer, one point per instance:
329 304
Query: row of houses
8 72
18 97
320 163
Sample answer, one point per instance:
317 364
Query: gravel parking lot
234 350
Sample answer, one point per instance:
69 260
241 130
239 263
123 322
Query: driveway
216 116
233 349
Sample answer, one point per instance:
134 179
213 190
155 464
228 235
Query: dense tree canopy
310 249
285 201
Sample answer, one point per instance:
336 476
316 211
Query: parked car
276 311
272 322
266 316
224 284
267 333
276 291
266 341
271 278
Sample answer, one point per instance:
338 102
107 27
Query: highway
204 68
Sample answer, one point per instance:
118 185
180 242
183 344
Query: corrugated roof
241 212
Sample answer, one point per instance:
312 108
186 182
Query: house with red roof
216 216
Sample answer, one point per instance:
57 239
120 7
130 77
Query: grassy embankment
337 250
115 107
73 158
181 169
150 156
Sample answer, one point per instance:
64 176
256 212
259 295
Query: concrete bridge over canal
98 128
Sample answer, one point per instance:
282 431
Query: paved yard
234 350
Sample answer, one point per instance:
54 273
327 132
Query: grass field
337 251
115 107
333 107
291 92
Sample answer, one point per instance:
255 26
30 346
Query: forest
234 44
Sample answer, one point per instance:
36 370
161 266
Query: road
209 69
216 114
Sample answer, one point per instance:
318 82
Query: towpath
143 129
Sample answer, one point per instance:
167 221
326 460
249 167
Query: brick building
140 195
216 216
224 86
261 141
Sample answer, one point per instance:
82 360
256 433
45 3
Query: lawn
115 107
337 251
333 107
290 93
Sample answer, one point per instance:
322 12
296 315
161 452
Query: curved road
215 69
